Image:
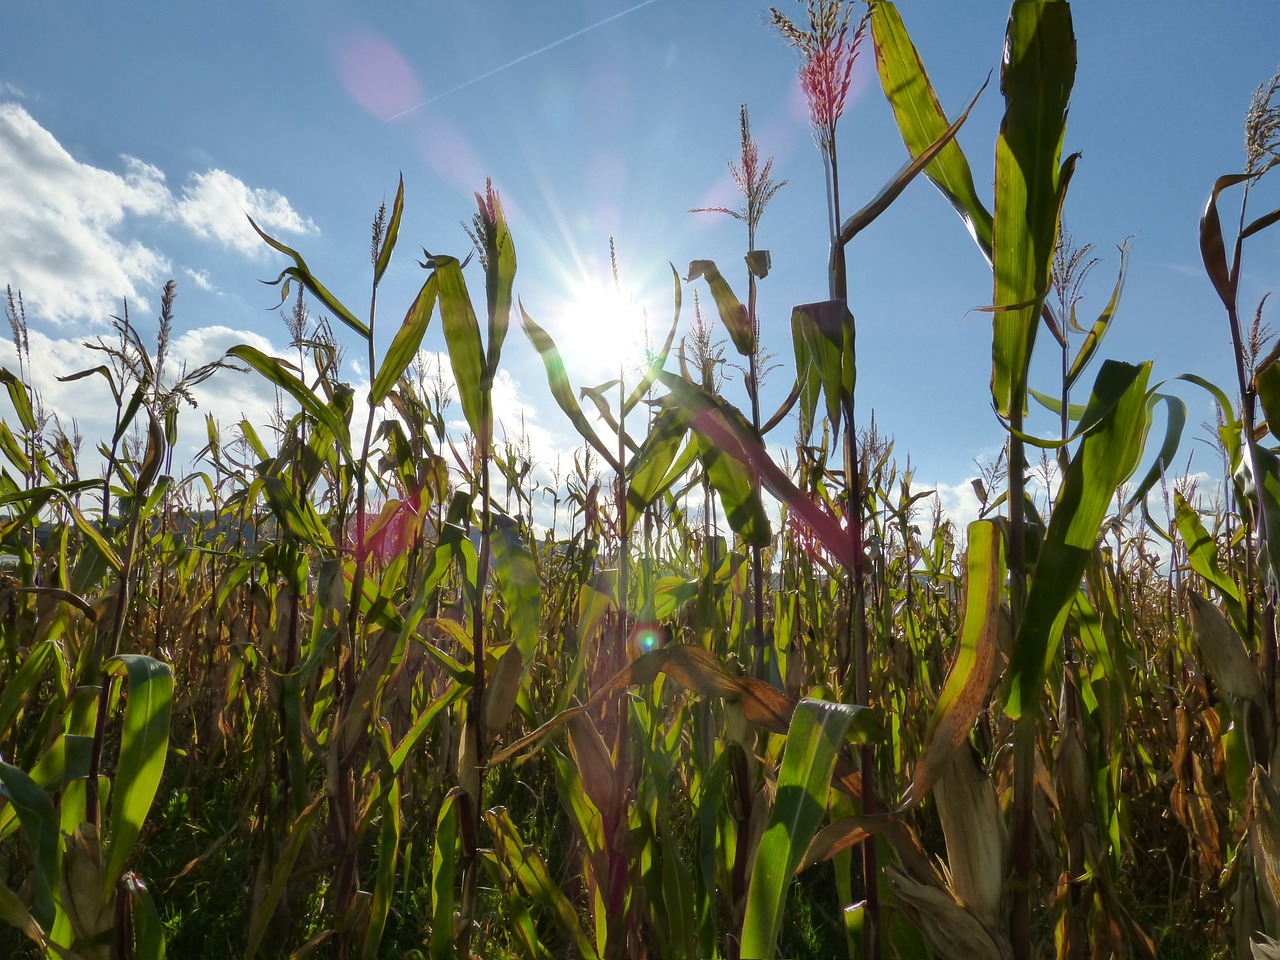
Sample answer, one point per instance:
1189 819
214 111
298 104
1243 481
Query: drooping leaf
922 122
278 372
1213 249
732 313
562 391
1093 339
740 445
1176 420
863 218
302 273
822 335
1267 382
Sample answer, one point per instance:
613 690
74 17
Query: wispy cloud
201 279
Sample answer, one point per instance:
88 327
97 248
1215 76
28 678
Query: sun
604 329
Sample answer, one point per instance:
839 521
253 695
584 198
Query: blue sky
134 136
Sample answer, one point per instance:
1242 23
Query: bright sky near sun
134 137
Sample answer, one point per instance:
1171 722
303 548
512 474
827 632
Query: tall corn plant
1019 240
1227 641
81 821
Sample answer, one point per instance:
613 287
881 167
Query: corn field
337 694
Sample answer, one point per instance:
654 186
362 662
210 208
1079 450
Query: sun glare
604 329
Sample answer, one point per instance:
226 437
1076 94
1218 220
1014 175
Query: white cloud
960 503
228 396
214 204
68 229
201 279
60 224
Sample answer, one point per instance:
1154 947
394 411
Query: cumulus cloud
60 223
214 204
960 503
68 230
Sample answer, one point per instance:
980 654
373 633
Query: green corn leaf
260 917
655 467
519 585
863 218
968 682
303 275
278 372
89 530
297 516
12 449
444 858
499 272
1093 339
406 343
423 722
817 731
21 684
249 434
39 822
1267 381
823 337
922 122
392 234
723 427
1202 553
144 743
1036 78
732 313
20 397
532 874
732 478
466 353
1074 410
562 391
1106 456
1175 422
143 919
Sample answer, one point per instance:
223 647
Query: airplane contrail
522 59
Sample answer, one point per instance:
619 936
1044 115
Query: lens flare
648 637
